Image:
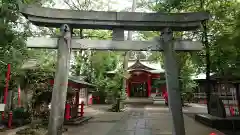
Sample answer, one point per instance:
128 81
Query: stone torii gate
118 22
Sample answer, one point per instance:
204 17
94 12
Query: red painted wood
165 93
141 76
128 88
82 107
155 76
67 111
10 116
137 82
7 84
149 86
90 102
77 99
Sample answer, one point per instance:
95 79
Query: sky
118 4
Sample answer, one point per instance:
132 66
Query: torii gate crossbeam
85 44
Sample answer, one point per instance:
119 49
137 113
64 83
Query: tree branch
72 5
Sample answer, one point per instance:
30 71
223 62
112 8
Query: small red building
79 88
146 79
78 91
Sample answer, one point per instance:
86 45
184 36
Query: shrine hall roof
152 67
78 81
72 80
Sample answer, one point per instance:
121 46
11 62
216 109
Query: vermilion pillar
7 84
67 111
149 85
127 88
77 100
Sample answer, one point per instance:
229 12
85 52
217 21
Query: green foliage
223 36
221 31
12 41
20 113
101 63
187 69
187 97
14 31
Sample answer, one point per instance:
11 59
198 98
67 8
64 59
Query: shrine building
145 78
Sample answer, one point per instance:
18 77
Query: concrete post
171 72
127 53
60 83
118 34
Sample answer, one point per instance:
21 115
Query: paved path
141 120
99 125
12 132
137 120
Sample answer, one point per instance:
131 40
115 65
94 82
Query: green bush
20 113
187 96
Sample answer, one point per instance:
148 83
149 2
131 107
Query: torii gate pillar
60 82
171 72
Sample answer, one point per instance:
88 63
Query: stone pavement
137 120
12 132
96 110
99 125
145 120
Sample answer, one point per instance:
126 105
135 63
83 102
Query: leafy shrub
20 113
